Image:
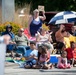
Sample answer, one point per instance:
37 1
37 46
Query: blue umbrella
63 17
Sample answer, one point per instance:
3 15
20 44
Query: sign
41 8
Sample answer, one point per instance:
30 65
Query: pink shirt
43 59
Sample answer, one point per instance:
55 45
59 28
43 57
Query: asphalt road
14 69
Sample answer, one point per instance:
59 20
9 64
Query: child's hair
63 53
39 50
33 42
72 44
43 50
39 45
60 45
46 45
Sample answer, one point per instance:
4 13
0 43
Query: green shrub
15 27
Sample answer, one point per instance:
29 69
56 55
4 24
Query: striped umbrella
63 17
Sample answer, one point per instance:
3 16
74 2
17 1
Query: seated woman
44 37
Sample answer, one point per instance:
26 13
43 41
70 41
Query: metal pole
2 58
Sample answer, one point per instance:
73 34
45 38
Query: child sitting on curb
62 62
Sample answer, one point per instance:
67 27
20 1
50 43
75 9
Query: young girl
44 58
62 62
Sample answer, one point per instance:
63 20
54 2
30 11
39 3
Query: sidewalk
14 69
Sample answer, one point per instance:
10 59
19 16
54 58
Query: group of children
39 58
68 56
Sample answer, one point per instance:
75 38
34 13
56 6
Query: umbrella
63 17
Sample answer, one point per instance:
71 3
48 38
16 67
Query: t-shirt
44 38
74 54
45 58
69 53
21 40
31 53
62 60
34 52
67 42
72 38
27 54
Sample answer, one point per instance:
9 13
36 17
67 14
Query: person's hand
38 33
43 12
14 42
62 27
32 56
51 32
11 42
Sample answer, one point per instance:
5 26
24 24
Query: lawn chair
26 32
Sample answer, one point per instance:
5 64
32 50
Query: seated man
21 42
60 34
31 55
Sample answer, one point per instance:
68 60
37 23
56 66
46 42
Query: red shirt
69 53
74 54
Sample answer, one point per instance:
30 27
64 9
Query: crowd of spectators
37 53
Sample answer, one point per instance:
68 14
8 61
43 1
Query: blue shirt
27 54
34 52
31 53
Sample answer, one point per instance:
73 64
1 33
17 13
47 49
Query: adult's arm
50 38
58 35
43 17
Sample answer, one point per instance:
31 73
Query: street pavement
14 69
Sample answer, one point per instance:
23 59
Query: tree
50 5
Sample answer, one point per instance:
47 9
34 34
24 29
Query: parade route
14 69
